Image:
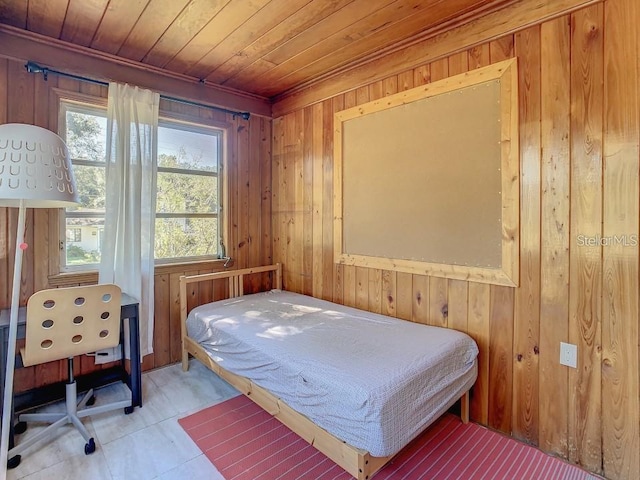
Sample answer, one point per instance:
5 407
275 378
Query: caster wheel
13 462
90 447
128 410
20 427
91 401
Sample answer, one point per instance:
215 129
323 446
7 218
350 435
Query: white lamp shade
35 167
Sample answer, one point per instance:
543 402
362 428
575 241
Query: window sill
69 279
215 265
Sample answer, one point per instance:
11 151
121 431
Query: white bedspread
373 381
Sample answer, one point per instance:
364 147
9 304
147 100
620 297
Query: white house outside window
74 235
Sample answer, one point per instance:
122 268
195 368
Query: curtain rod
33 67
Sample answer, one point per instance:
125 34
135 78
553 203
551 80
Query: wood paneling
47 16
437 306
148 29
585 286
297 62
527 298
500 357
421 299
621 214
554 253
317 199
327 204
579 156
478 328
255 34
28 98
117 22
81 20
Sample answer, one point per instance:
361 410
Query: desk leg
3 366
4 333
136 372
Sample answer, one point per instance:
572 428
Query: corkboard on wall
428 179
421 181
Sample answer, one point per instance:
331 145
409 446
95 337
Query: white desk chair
63 323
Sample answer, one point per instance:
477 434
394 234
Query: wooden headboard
236 285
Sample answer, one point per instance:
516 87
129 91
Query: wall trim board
22 46
489 172
508 20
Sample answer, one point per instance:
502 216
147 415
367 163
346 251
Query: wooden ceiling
266 47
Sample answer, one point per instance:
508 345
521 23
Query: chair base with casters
85 304
72 414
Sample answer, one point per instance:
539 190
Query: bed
357 385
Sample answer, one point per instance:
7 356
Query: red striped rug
246 443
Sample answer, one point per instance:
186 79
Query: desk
49 393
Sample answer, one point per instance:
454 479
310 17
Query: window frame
190 126
62 127
61 274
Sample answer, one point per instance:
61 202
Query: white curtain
127 250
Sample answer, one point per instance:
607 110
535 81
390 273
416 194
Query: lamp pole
11 347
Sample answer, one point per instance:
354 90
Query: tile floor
148 444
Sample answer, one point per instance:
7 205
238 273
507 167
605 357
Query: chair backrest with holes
65 322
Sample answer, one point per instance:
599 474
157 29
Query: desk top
5 313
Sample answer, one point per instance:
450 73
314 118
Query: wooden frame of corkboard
427 181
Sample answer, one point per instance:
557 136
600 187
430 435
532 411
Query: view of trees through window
187 189
187 200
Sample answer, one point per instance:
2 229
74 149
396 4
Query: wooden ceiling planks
82 20
191 20
291 26
323 38
348 16
230 18
274 12
266 47
47 16
117 23
332 59
372 33
14 12
153 22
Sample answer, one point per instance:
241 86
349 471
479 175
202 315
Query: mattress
372 381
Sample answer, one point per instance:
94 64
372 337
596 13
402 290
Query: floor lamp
35 172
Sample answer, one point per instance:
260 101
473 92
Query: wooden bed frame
357 462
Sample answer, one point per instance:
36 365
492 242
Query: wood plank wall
27 98
579 135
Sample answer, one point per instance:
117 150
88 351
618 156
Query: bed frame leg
464 407
363 467
185 360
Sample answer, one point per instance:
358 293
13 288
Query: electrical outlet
110 354
569 355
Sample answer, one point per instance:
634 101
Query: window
188 189
84 129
